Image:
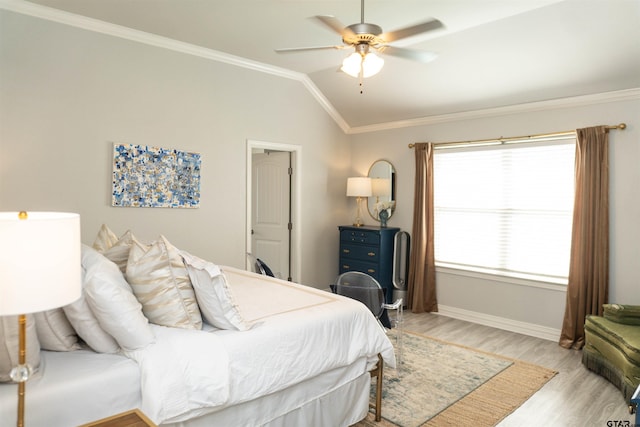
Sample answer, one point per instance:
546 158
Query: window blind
506 209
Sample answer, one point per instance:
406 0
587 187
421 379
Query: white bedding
298 333
303 344
288 344
333 399
183 373
73 388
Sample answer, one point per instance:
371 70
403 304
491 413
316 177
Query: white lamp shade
359 187
351 64
381 187
39 261
371 65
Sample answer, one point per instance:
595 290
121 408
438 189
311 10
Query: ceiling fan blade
334 24
300 49
414 55
402 33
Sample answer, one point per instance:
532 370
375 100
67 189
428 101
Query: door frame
296 205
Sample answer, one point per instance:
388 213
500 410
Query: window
505 209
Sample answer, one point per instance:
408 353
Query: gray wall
68 94
496 301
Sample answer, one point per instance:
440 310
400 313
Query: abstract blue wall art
152 177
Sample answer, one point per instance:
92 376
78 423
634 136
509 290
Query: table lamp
359 187
380 187
39 270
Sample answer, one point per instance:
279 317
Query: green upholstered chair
612 346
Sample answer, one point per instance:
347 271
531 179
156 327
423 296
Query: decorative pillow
213 294
9 345
114 248
105 239
55 333
626 314
112 302
85 322
160 281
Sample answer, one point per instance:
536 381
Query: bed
301 356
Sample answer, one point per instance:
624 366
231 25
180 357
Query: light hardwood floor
574 397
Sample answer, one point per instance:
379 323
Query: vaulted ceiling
491 53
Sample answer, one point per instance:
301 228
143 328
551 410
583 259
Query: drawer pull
371 254
371 270
346 267
346 251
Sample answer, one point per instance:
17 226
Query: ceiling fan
367 39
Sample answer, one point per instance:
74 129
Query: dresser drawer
358 236
361 252
368 249
347 264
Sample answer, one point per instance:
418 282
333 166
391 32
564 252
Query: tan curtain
588 286
421 292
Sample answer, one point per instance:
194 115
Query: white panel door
271 210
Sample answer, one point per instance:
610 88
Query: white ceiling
492 53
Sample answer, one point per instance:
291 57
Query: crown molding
570 102
325 103
95 25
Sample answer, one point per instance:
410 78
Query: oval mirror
383 186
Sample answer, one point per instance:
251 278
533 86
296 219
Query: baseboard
511 325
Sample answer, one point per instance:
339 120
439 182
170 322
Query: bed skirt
339 406
109 384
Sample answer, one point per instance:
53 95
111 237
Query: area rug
444 384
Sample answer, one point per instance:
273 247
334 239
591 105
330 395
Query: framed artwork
153 177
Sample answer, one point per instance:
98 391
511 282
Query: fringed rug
444 384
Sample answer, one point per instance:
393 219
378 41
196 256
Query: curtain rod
621 126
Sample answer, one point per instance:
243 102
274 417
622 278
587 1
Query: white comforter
298 333
183 374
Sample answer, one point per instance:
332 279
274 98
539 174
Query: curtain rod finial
621 126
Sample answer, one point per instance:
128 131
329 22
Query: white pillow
55 333
114 248
113 303
214 294
9 345
86 324
161 283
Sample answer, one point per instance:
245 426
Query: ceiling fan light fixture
370 64
351 64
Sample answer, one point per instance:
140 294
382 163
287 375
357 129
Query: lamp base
21 373
358 220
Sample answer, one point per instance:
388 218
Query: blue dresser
369 250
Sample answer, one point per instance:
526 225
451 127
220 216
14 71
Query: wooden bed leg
377 372
379 389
